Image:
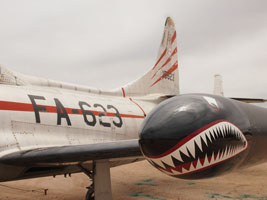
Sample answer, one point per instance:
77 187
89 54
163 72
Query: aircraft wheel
90 195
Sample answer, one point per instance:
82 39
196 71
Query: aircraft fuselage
34 117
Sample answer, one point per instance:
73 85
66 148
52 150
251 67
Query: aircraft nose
189 133
173 120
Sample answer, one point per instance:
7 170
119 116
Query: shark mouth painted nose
205 148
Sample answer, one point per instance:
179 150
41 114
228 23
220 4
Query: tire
90 194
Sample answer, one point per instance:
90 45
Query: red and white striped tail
163 78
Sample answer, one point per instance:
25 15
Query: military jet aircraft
50 128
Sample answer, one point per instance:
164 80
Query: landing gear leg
90 194
100 189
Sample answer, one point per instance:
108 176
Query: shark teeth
199 152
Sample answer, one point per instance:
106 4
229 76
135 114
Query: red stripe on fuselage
123 92
138 106
5 105
25 107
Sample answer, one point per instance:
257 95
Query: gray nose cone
174 119
195 136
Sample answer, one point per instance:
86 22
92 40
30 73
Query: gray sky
109 43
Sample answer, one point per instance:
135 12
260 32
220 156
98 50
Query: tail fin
163 77
218 85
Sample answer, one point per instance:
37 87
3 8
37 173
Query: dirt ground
141 181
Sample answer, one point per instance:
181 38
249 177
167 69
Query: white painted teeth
177 156
197 140
197 145
205 139
208 135
183 149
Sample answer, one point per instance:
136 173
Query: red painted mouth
209 146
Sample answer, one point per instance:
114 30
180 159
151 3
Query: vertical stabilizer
218 85
163 77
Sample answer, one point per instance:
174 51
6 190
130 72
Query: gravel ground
141 181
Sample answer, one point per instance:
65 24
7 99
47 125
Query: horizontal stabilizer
250 100
218 90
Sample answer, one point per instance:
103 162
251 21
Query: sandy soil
143 182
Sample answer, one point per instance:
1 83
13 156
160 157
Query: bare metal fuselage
49 127
35 117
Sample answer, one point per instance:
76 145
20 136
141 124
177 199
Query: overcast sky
106 44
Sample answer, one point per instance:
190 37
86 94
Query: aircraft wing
250 100
75 154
